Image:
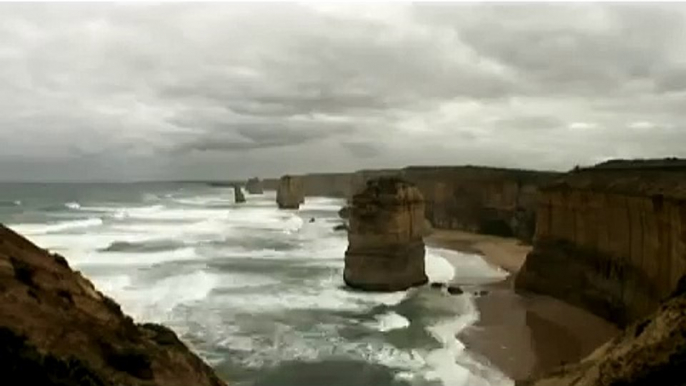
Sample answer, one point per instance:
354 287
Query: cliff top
665 164
664 177
388 189
56 328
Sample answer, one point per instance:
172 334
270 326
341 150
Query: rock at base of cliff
385 237
57 329
341 227
344 213
238 195
290 192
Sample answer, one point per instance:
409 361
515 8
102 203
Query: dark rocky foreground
651 351
57 329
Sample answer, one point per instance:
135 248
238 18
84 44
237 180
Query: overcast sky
192 91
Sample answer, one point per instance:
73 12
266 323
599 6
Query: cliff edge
57 329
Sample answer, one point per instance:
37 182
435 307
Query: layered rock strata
385 245
611 239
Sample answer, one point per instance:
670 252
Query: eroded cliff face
610 240
483 200
290 193
385 238
57 329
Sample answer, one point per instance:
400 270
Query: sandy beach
522 334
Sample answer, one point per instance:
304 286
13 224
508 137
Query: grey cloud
178 90
361 149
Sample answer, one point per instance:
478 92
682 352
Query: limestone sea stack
290 193
254 186
238 195
385 237
57 329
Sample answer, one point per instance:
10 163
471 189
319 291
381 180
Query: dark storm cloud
183 90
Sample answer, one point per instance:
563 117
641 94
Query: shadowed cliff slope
57 329
651 351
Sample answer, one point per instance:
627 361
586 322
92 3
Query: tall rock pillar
385 239
290 193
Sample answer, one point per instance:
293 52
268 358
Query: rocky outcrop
290 193
611 239
652 351
344 212
57 329
385 245
254 186
238 195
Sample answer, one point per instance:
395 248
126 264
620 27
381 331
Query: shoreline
521 334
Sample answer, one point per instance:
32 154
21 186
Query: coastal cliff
611 239
57 329
385 238
493 201
476 199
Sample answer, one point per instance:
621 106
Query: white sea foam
437 268
390 321
73 205
38 229
133 259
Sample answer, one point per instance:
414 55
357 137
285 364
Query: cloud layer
129 91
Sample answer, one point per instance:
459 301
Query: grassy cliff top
641 177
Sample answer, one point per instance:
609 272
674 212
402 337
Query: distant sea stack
611 238
385 237
238 195
254 186
290 193
57 329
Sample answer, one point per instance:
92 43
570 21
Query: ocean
256 291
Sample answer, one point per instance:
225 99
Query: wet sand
522 334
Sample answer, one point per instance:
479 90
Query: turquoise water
256 291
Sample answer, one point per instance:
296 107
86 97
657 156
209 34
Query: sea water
256 291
